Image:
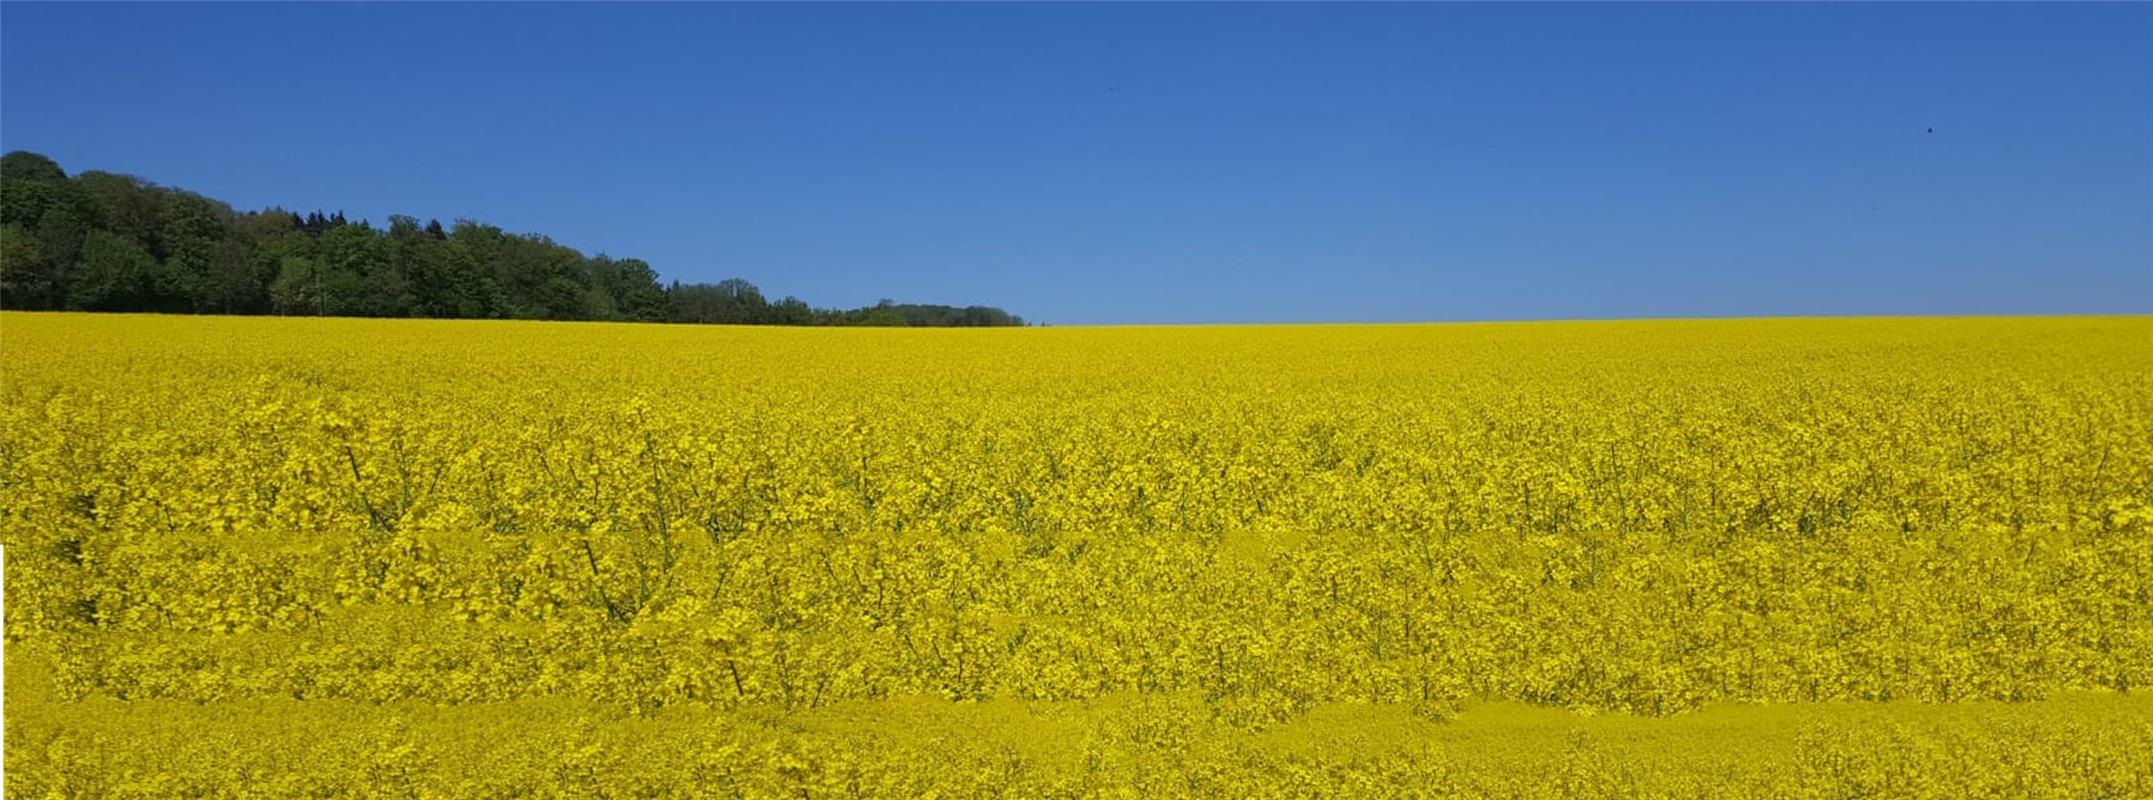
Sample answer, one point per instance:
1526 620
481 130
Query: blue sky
1176 163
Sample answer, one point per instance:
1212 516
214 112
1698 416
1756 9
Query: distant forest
100 241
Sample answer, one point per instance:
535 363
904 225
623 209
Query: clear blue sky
1186 163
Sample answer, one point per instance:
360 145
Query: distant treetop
100 241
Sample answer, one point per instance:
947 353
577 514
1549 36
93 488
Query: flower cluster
1248 525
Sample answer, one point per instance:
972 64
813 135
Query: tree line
101 241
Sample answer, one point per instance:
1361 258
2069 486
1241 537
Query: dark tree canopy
100 241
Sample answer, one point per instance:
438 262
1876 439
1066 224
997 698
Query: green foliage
27 166
118 275
21 261
100 241
30 184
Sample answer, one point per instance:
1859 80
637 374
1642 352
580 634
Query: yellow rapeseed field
1769 558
